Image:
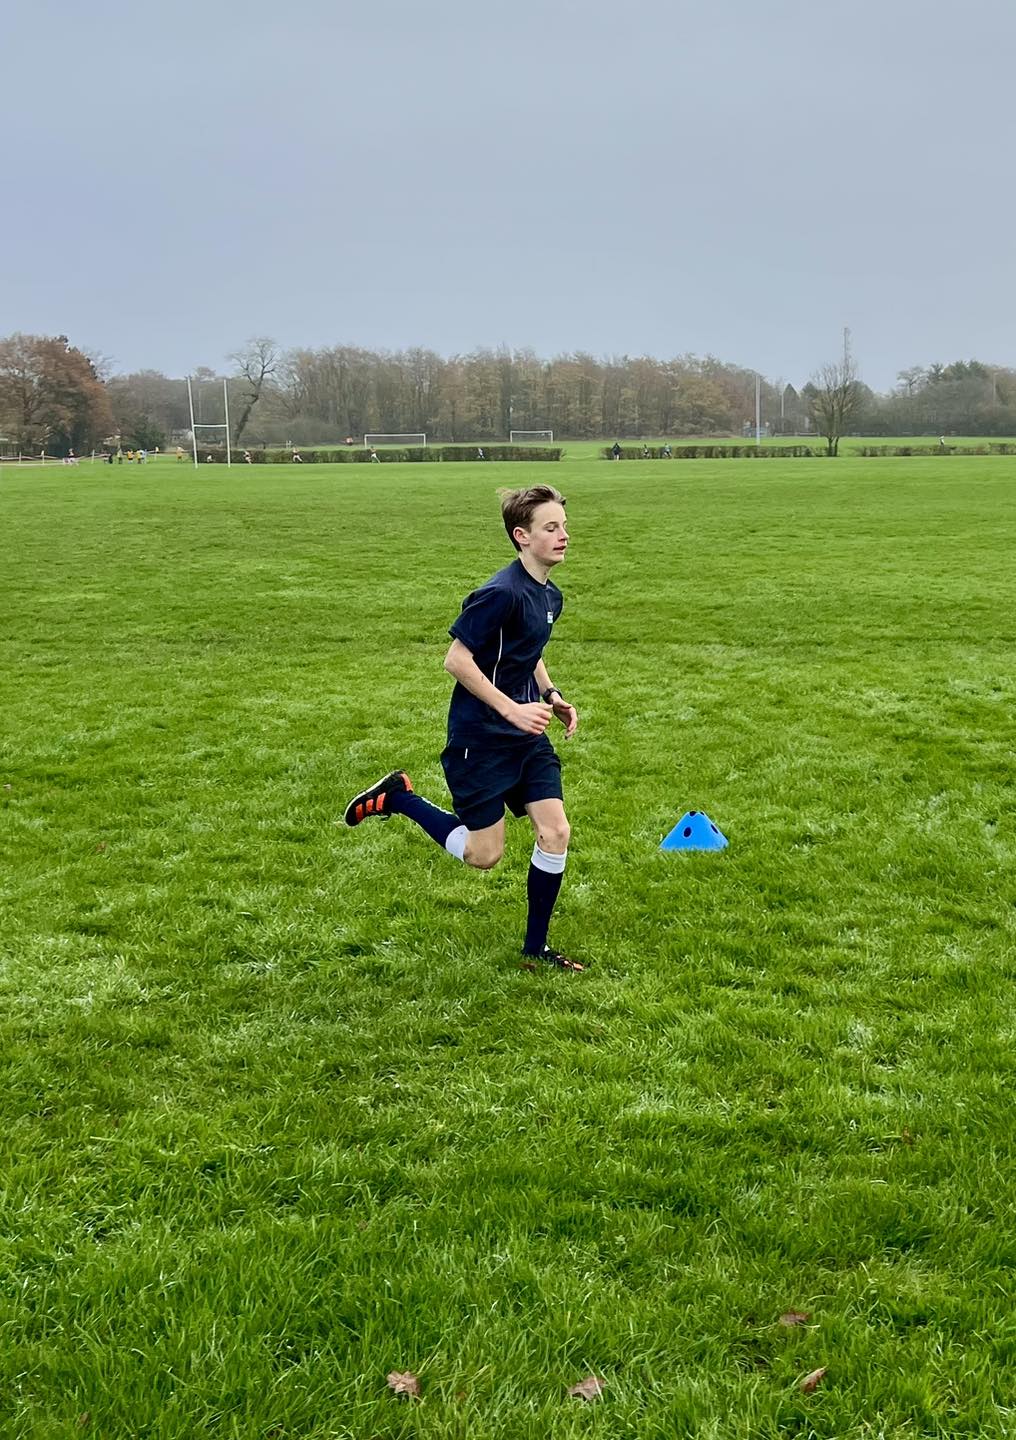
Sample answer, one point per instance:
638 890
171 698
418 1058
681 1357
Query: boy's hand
531 719
568 716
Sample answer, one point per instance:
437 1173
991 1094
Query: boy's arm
530 719
567 714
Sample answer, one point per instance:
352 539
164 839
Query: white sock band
553 864
456 842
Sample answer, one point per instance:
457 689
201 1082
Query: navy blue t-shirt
505 625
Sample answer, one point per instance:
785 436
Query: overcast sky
650 177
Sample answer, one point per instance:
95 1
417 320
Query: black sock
542 886
439 824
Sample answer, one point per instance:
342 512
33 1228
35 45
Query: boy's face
547 536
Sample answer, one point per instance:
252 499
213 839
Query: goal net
516 436
395 440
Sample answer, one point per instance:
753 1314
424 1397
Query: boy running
498 753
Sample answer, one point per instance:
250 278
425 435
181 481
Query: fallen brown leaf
100 847
591 1388
404 1384
906 1137
525 963
795 1317
810 1382
84 1418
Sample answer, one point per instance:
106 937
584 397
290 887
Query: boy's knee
554 837
483 857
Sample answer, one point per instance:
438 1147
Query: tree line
52 396
55 397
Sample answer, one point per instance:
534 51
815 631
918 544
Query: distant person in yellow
179 452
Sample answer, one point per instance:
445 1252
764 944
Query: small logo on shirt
550 617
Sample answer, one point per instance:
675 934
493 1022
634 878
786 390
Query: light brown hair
517 506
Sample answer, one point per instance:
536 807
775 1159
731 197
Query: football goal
521 436
222 425
419 439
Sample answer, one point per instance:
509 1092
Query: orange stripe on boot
359 812
380 803
370 805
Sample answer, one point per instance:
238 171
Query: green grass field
280 1111
583 450
849 445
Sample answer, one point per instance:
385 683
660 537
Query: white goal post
516 435
417 439
220 425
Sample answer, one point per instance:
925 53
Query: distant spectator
179 452
297 458
941 442
248 459
375 458
119 456
349 439
208 459
479 452
645 451
616 450
666 452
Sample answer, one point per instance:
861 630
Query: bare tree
910 381
836 400
256 363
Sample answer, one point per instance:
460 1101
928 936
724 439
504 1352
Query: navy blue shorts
483 779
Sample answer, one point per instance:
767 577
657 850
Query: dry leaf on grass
795 1317
404 1384
527 966
809 1383
591 1388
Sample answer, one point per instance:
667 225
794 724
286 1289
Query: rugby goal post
514 436
220 425
407 440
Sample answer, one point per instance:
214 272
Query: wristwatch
546 694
